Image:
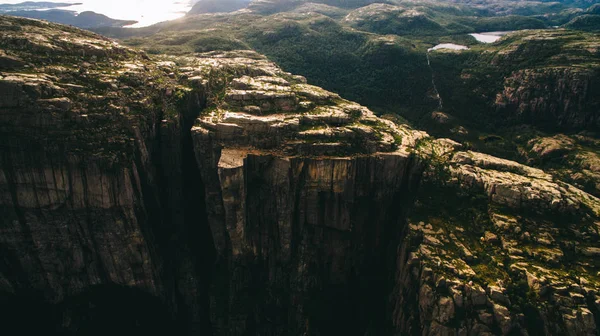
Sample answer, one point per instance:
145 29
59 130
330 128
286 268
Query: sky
147 12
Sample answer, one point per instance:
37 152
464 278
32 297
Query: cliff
239 199
544 78
90 168
305 195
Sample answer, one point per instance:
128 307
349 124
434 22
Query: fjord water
146 12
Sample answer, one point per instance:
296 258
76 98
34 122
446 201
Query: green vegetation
385 73
215 6
375 54
503 23
470 82
585 22
386 19
359 67
211 43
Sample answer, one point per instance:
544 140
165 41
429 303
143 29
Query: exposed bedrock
239 200
303 244
93 139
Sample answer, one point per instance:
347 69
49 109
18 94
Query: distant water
448 46
146 12
490 37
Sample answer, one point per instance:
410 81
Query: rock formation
92 185
250 202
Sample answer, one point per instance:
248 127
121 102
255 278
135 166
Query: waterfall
435 90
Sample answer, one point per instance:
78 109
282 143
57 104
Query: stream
486 37
435 90
437 47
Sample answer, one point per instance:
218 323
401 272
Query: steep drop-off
544 78
244 201
92 184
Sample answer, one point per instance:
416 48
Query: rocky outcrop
463 237
569 103
478 259
570 158
246 201
58 167
305 194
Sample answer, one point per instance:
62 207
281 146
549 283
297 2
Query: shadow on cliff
100 310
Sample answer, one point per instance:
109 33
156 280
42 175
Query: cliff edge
250 202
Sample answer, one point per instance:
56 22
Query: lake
489 37
448 46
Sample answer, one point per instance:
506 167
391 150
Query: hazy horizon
146 12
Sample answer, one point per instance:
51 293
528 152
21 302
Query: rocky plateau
248 202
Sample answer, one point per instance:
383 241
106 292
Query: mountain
215 193
589 23
216 6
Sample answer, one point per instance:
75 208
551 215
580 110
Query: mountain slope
216 6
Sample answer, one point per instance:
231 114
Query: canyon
217 194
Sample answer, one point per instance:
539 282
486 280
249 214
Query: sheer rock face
66 201
568 101
324 218
304 231
90 136
470 240
305 193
